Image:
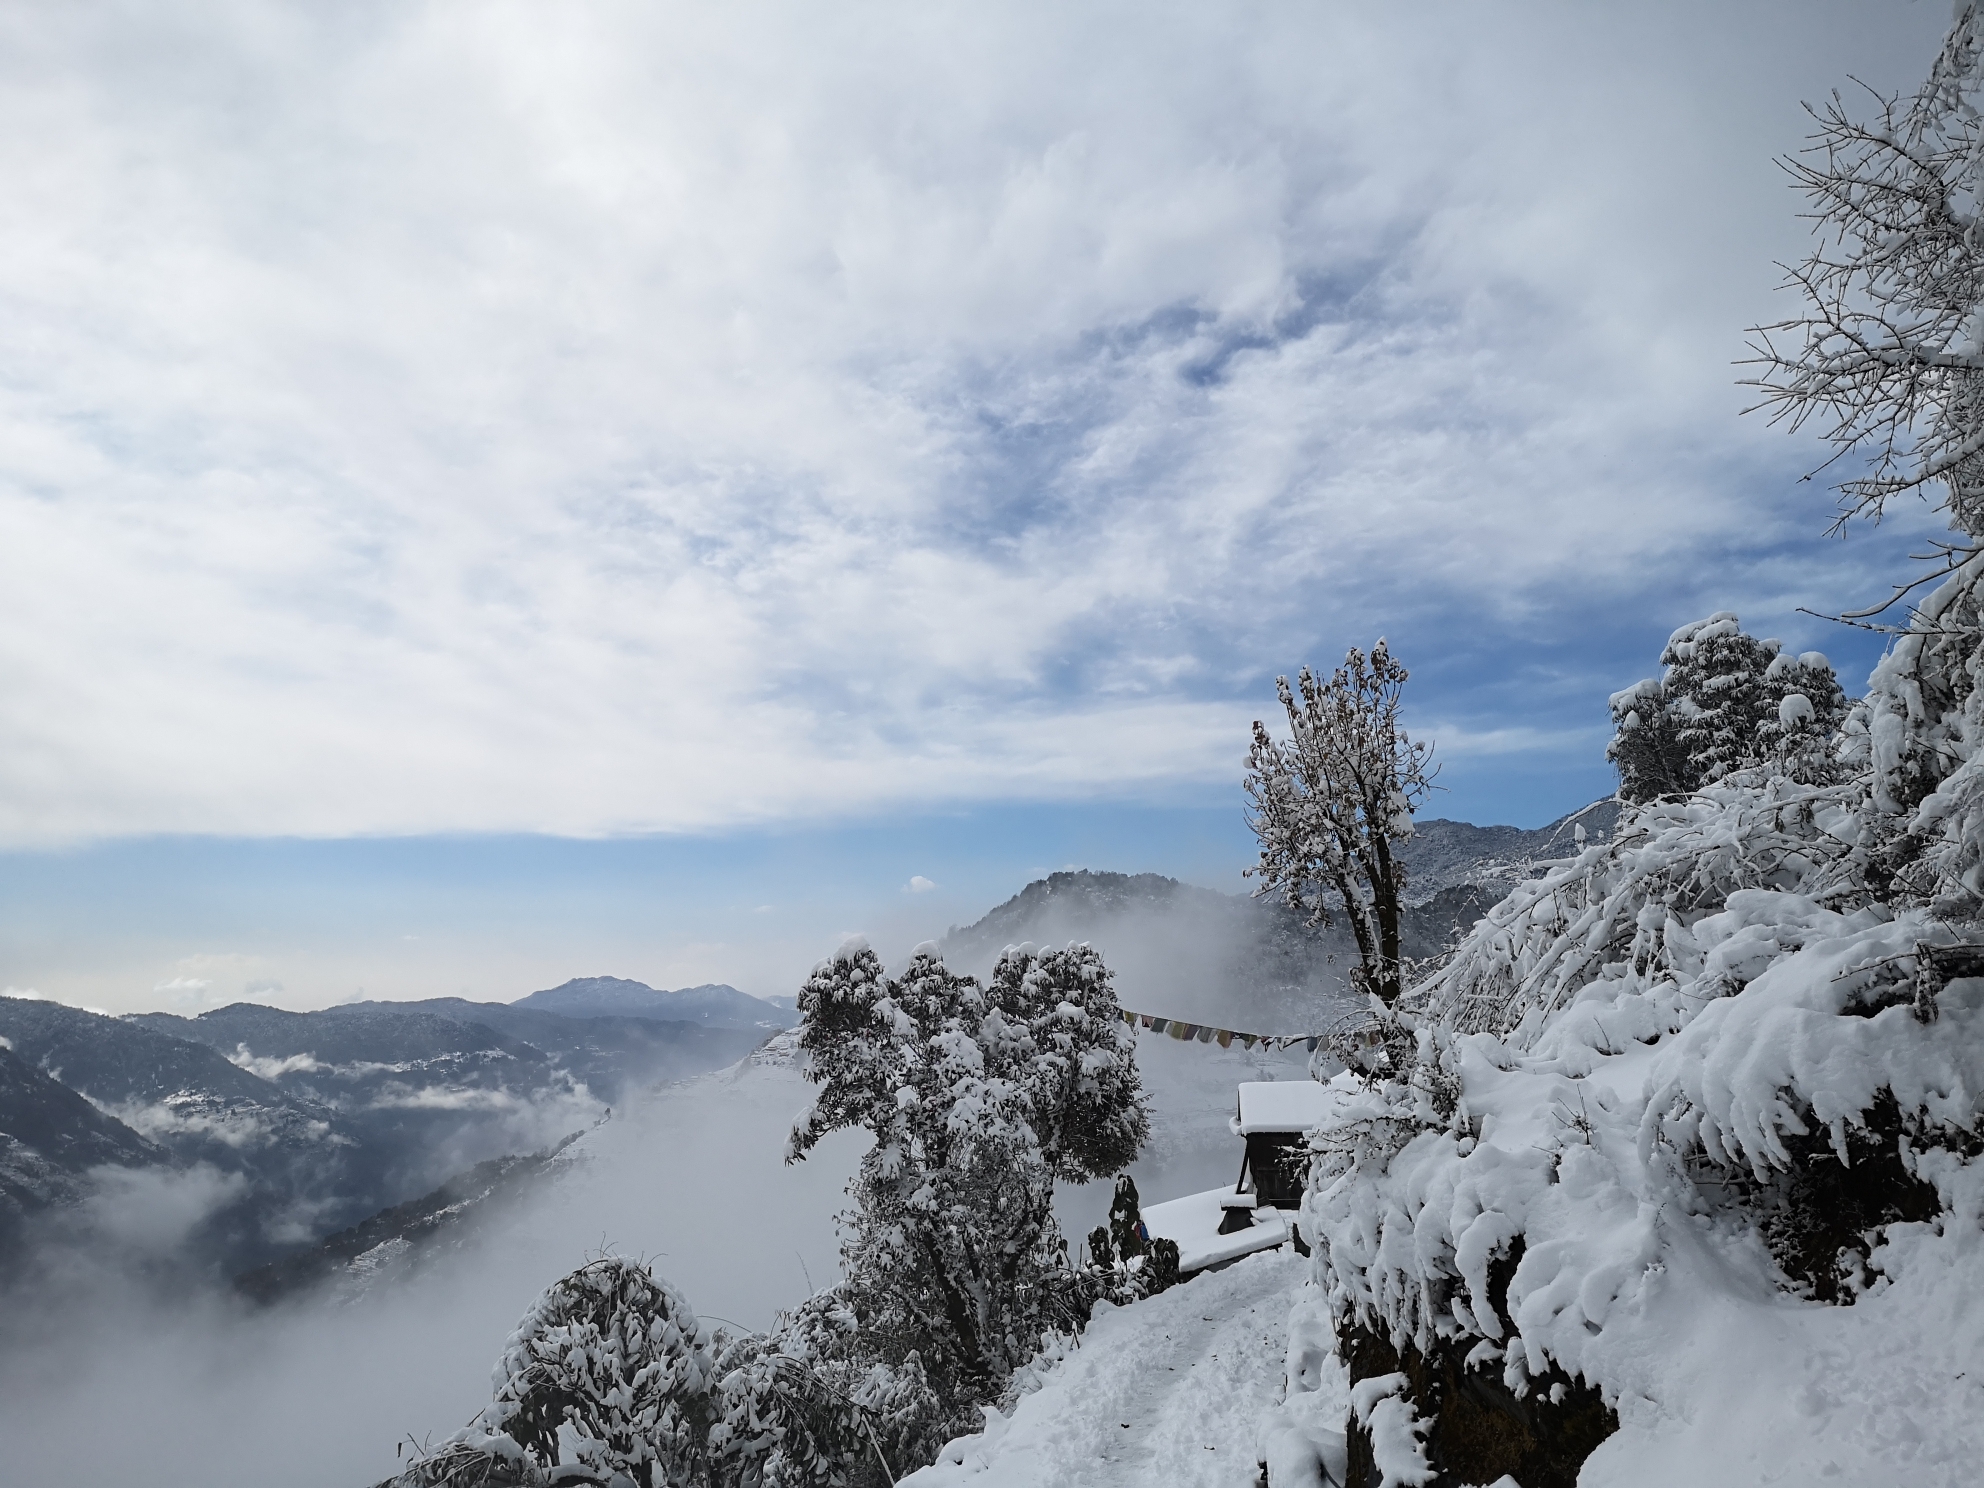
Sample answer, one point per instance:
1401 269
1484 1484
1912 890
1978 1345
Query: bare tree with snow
1330 803
1887 350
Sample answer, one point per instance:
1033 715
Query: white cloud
604 419
200 981
918 884
271 1068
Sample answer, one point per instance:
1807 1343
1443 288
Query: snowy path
1166 1392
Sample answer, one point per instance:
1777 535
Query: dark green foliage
1100 1251
1126 1219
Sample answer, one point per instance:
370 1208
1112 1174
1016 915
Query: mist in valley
118 1362
113 1365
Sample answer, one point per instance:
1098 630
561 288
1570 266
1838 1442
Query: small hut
1273 1117
1221 1225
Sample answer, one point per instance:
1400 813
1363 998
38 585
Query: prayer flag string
1205 1033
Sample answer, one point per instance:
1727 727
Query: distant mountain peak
713 1004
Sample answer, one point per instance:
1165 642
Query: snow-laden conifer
1726 701
610 1369
976 1098
1058 1024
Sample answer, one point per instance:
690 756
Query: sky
496 492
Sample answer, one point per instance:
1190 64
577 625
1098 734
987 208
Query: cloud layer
618 418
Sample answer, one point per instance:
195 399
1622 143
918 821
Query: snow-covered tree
1329 804
1059 1031
1727 701
977 1099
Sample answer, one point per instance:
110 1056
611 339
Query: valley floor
1171 1390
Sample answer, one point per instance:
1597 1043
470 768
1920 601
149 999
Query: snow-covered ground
1171 1391
1193 1223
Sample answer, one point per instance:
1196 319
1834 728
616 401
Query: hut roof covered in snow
1281 1106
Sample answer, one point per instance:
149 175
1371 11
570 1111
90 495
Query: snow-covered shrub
610 1369
1738 1046
1126 1233
611 1379
1124 1263
805 1405
1725 702
977 1098
1629 903
473 1459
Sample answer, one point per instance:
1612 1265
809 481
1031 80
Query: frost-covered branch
1888 352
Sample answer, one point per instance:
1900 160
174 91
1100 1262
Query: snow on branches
613 1363
611 1379
1328 805
978 1097
1726 702
1058 1023
1888 350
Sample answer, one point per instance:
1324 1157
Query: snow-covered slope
1684 1152
1173 1390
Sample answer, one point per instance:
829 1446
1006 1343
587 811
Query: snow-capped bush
610 1369
805 1405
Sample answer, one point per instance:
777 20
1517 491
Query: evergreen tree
977 1099
613 1360
1727 701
